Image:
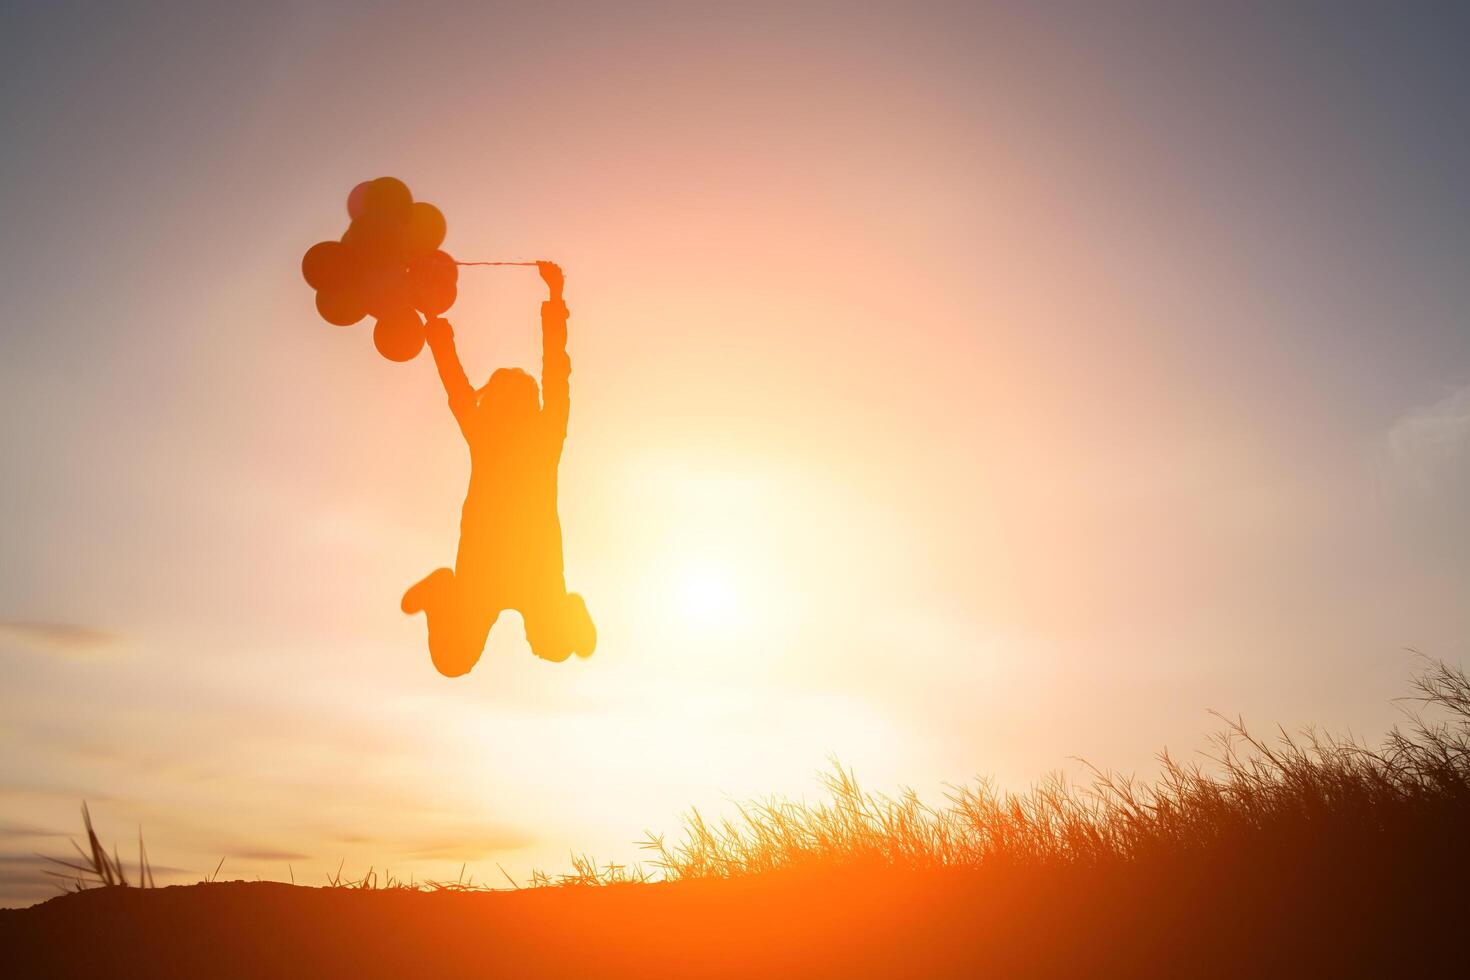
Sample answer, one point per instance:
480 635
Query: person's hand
551 273
437 331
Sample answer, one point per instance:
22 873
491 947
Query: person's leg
457 634
458 625
560 627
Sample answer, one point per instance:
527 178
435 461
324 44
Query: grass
1290 855
96 867
1285 795
1283 798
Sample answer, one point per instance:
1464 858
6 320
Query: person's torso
509 521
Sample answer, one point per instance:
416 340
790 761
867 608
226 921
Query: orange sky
956 392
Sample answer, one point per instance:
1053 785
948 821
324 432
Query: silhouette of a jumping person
510 549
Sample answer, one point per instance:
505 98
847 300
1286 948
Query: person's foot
426 590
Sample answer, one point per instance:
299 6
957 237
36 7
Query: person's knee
543 633
454 663
561 629
455 646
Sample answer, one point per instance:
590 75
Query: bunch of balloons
387 265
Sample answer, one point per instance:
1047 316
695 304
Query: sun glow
705 593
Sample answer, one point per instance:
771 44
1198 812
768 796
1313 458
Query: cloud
43 862
465 844
474 847
8 830
61 639
269 855
1431 445
25 860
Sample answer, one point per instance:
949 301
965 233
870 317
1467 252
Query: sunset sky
957 389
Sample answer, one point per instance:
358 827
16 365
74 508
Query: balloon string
457 262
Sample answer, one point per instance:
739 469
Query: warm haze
956 391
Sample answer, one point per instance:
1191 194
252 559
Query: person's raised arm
456 385
556 366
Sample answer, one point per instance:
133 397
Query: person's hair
510 389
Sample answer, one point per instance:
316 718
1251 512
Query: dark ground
1374 916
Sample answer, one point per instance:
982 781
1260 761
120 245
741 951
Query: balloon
435 299
388 196
399 336
357 200
431 281
326 265
386 290
376 237
386 264
425 227
443 263
340 306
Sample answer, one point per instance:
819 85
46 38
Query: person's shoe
426 590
